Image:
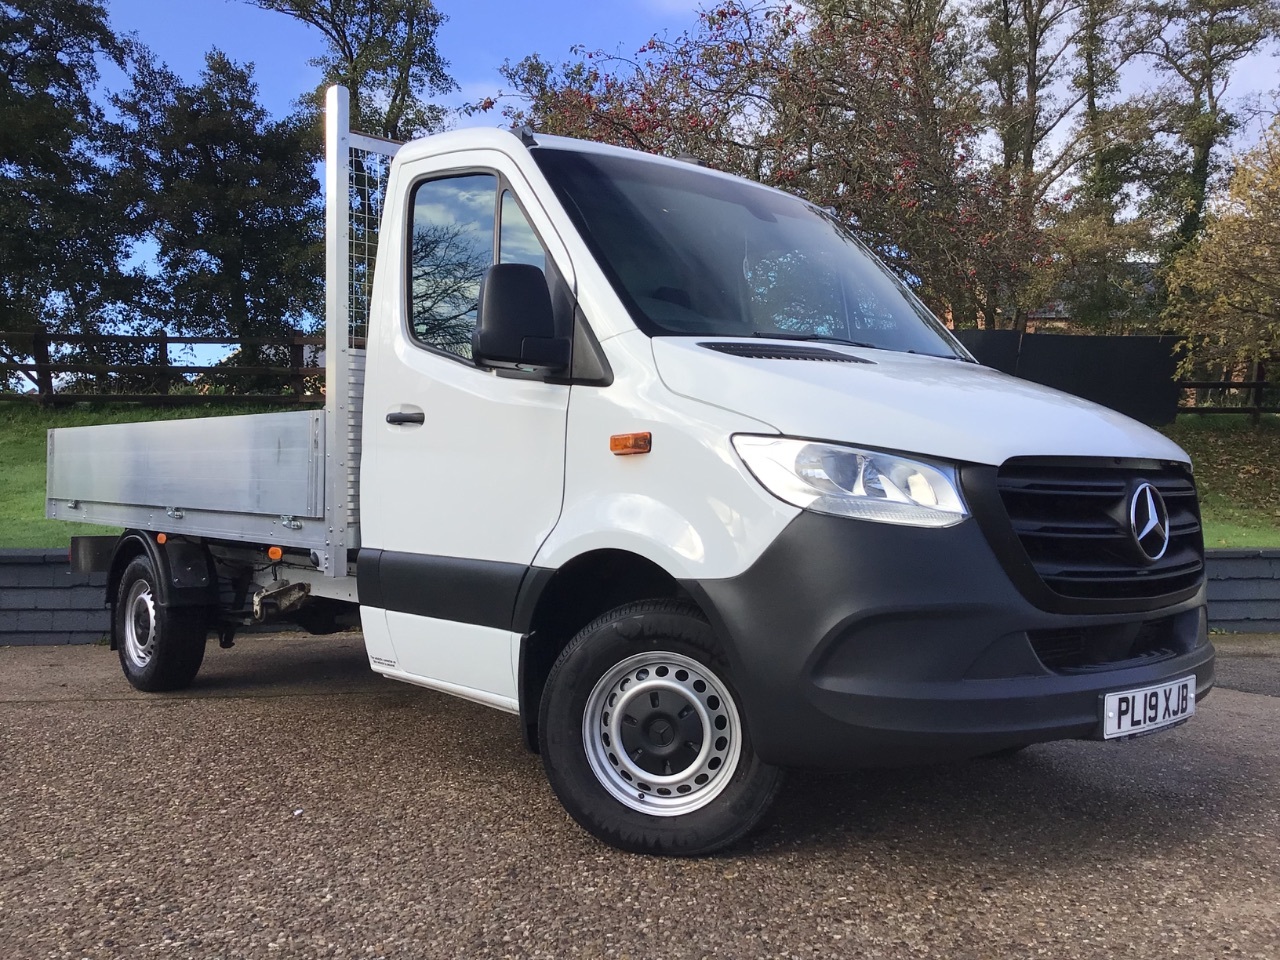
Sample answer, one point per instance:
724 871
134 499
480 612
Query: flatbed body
257 477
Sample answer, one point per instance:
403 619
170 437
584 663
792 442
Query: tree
987 150
861 107
1224 290
229 198
384 52
1104 253
1194 45
62 243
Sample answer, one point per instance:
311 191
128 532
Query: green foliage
384 52
62 239
1225 289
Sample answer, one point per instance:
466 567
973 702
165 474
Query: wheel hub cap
662 734
140 625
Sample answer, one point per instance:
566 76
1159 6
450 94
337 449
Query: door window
453 244
518 243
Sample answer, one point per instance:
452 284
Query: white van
668 464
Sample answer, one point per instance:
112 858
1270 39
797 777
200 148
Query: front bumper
865 644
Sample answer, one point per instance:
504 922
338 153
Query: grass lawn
22 465
1238 472
1237 469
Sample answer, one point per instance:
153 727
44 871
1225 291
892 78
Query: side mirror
515 325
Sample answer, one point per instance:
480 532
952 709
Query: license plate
1132 712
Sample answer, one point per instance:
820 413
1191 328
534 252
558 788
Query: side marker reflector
628 444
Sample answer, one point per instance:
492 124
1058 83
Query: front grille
1073 522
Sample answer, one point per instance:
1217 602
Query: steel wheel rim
140 625
639 731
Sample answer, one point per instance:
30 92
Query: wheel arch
185 574
553 605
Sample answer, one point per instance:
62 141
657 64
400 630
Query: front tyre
642 734
161 648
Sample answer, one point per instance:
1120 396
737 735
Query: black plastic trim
464 590
530 592
185 571
859 644
397 417
773 351
590 367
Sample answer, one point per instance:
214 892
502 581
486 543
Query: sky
476 38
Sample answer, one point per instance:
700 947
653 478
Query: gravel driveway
294 804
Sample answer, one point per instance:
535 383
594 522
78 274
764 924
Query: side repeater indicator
629 444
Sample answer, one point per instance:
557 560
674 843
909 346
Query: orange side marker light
162 538
274 553
629 444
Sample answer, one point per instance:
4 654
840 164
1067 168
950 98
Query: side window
517 242
450 250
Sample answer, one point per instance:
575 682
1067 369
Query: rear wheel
160 648
643 738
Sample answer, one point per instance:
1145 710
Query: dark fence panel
994 348
1134 375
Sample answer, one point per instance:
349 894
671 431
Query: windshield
695 254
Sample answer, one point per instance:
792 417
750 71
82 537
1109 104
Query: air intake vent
1092 648
774 351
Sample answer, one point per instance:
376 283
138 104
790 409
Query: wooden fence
159 381
1210 394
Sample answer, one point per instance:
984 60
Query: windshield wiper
817 337
942 356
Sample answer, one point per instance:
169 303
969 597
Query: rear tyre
161 648
642 735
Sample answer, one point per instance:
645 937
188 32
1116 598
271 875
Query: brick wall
43 602
1244 590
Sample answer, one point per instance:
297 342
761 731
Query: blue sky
478 36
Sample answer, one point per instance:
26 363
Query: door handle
397 417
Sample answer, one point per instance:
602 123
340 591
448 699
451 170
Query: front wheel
642 734
160 648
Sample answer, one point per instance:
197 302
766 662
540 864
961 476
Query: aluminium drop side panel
258 477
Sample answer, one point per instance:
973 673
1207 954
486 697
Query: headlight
847 482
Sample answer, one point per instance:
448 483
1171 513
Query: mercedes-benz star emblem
1149 521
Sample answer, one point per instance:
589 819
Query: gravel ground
293 804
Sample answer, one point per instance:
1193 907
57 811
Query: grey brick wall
43 602
1244 590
